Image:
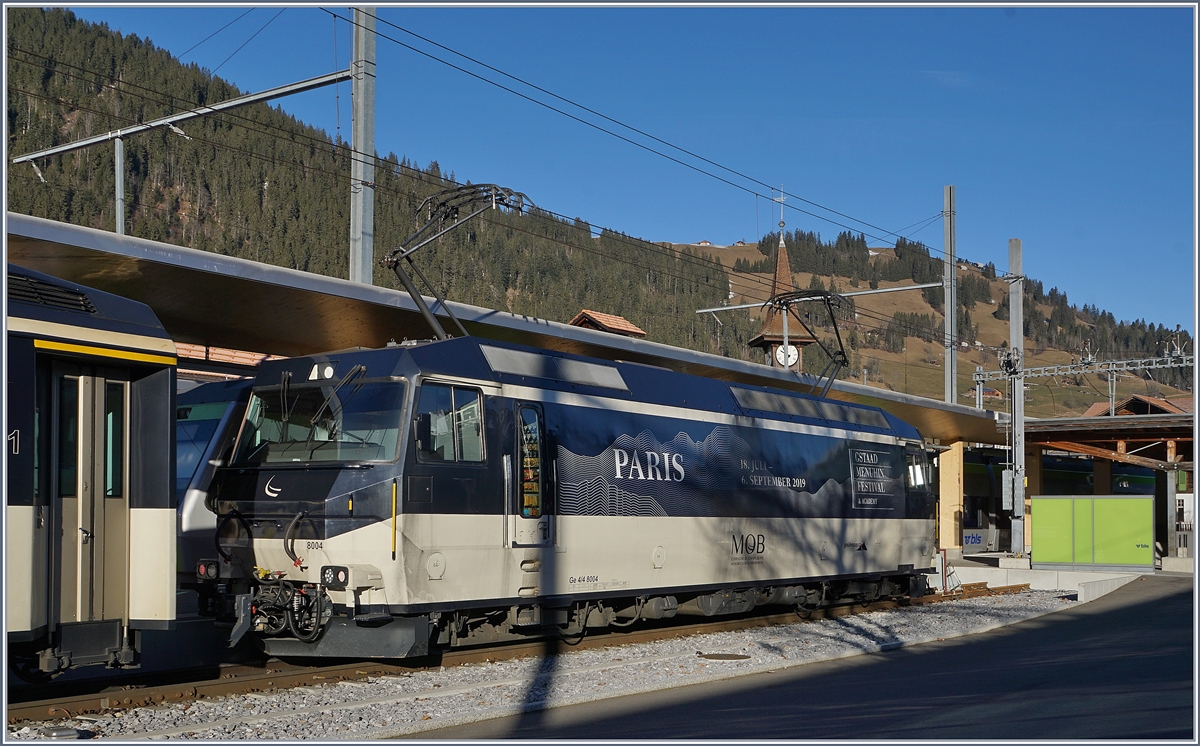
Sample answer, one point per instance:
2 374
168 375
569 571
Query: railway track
274 675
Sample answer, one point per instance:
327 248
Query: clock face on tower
789 352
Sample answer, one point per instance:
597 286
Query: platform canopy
219 301
1157 441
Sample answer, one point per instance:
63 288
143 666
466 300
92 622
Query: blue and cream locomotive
382 502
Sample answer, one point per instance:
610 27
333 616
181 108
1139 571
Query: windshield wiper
312 429
285 414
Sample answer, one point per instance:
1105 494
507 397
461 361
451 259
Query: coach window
531 463
114 439
449 424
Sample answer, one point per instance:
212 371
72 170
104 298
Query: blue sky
1070 128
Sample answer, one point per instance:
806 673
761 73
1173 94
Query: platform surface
1120 667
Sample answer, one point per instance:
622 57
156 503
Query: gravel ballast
389 706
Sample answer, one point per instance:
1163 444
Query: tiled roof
1185 403
1097 409
221 354
1138 401
606 322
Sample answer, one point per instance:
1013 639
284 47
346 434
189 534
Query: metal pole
978 389
362 169
786 344
1016 348
1112 393
951 298
119 148
1172 540
168 121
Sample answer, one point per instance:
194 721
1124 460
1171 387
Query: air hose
311 608
289 539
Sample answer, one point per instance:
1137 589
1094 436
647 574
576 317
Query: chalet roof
1185 403
606 322
1137 404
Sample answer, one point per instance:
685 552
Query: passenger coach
466 491
90 514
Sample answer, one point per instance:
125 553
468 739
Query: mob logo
749 544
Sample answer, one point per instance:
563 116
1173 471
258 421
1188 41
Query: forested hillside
258 184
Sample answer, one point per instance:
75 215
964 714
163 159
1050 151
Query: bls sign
749 544
974 540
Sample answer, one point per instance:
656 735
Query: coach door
531 520
89 445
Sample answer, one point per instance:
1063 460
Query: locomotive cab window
342 421
449 424
918 470
531 463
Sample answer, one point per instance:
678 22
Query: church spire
782 282
770 337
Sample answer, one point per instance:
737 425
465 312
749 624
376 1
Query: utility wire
417 173
256 33
235 20
627 126
357 155
597 127
315 169
414 173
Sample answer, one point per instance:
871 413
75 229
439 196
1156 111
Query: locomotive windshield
334 421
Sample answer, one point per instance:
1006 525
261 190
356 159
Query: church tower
770 337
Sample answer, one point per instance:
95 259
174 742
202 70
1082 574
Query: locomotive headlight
334 577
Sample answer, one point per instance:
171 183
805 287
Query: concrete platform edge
1089 585
1179 564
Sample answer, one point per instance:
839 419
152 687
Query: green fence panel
1091 531
1083 530
1051 518
1124 531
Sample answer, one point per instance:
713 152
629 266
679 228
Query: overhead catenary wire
630 141
416 173
315 169
676 256
256 33
235 20
292 136
627 126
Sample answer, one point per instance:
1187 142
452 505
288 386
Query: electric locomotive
206 420
90 513
382 502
